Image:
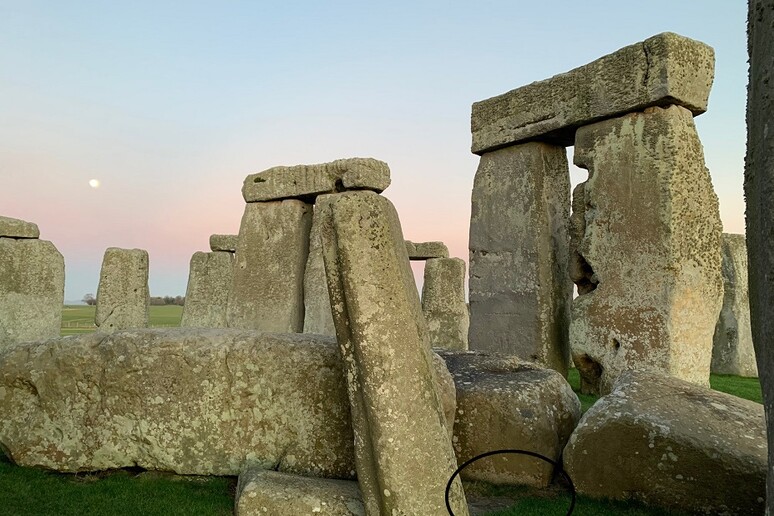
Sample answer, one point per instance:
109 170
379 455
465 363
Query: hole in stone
590 373
339 185
616 344
259 180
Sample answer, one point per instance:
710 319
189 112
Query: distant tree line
90 300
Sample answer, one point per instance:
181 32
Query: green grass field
80 318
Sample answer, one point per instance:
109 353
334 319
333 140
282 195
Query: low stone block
443 303
17 228
206 298
308 181
226 243
261 492
662 70
123 297
426 250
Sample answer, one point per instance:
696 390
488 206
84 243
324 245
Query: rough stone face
317 301
262 492
443 303
403 453
123 297
206 299
732 349
649 250
267 292
308 181
519 288
17 228
506 403
426 250
31 290
226 243
672 444
662 70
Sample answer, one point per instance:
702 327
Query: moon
94 183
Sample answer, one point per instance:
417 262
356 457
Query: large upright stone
520 290
123 297
443 303
317 301
308 181
648 252
206 298
31 290
662 70
759 193
267 290
403 452
17 228
732 349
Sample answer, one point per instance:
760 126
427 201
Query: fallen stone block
226 243
17 228
206 298
123 297
426 250
443 303
671 444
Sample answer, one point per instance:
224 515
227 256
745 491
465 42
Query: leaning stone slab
123 297
262 492
662 70
226 243
206 298
32 275
403 452
267 290
190 400
506 403
308 181
671 444
443 303
318 317
426 250
17 228
646 242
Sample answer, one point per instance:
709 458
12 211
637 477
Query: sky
170 105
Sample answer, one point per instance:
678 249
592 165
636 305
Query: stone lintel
226 243
17 228
426 250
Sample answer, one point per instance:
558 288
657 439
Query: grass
80 318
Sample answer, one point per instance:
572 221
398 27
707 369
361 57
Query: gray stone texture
17 228
662 70
520 290
262 492
226 243
646 240
317 301
403 452
308 181
671 444
123 297
206 298
732 348
506 403
426 250
32 276
267 292
443 303
758 188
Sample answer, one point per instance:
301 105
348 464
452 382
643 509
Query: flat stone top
662 70
306 182
426 250
17 228
223 243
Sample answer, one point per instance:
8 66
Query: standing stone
206 298
31 290
317 301
651 288
403 452
17 228
732 349
759 193
443 303
519 287
267 291
122 296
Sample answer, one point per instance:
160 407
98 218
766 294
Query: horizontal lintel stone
426 250
226 243
17 228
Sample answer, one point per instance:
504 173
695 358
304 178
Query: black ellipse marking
515 452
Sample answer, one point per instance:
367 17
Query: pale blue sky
171 105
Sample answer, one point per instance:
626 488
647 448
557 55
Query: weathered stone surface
31 290
732 348
662 70
403 453
672 444
506 403
649 251
443 303
17 228
206 298
261 492
267 292
123 297
190 400
308 181
758 188
426 250
226 243
519 288
317 301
